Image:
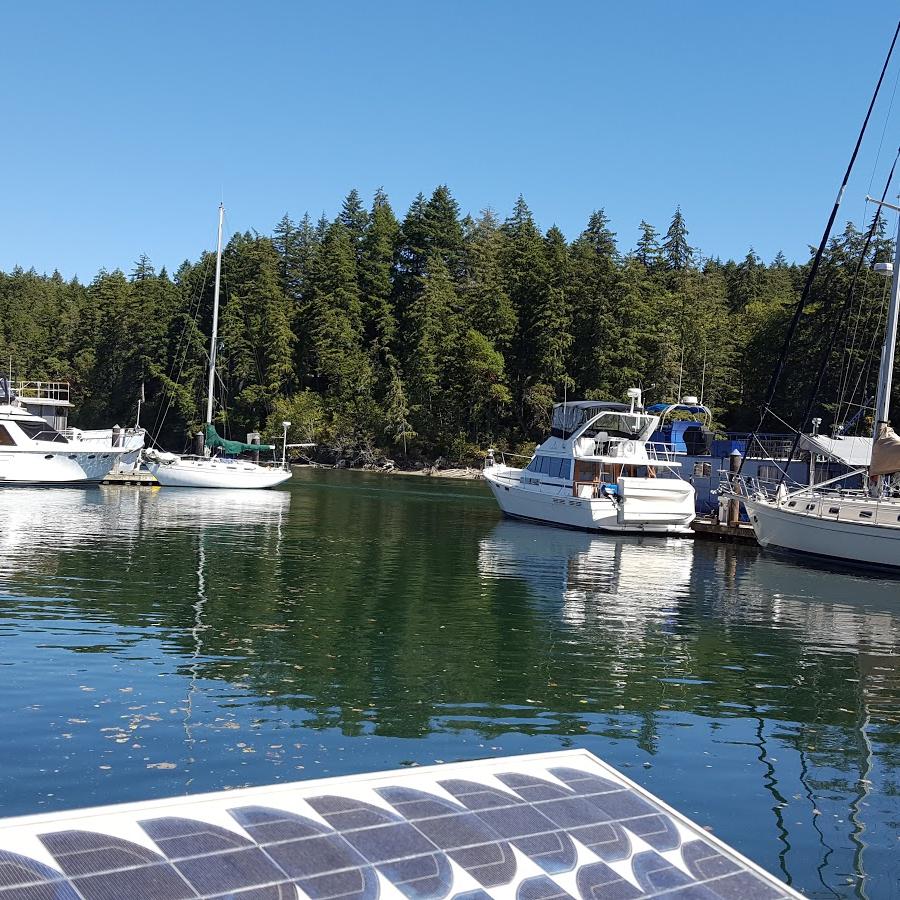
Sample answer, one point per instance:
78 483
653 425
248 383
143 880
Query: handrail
42 390
812 487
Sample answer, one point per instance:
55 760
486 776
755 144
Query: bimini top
569 417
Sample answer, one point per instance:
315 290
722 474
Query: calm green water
160 642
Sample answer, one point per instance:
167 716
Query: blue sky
124 124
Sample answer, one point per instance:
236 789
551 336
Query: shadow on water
169 640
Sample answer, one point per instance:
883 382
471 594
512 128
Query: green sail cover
231 448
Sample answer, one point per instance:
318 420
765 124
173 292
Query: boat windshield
40 431
569 417
623 425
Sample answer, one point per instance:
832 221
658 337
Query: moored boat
860 526
33 451
218 466
598 471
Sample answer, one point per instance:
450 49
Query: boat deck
553 825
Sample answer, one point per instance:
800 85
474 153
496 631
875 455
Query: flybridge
42 392
48 399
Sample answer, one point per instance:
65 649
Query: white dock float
553 825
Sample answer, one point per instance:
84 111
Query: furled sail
231 448
885 452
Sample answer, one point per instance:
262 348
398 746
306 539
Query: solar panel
553 825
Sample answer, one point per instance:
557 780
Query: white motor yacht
33 451
597 471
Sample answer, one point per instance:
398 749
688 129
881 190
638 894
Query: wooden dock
140 479
711 529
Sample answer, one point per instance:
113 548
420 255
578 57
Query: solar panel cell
522 825
465 838
321 862
541 888
22 878
597 881
214 860
400 852
582 819
624 807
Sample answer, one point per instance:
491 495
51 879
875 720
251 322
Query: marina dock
711 528
139 479
551 825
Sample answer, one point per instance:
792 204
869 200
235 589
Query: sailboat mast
886 372
215 321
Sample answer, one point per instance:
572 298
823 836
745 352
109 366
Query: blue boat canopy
696 410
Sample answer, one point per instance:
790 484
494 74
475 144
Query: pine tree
596 296
677 253
376 263
335 316
443 230
354 218
487 304
647 251
431 327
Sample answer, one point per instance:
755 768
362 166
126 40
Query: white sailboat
860 526
211 470
598 471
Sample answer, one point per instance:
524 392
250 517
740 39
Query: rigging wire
873 329
775 380
874 353
839 321
190 318
852 335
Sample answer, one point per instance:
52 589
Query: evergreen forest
438 335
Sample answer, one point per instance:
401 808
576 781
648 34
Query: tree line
440 334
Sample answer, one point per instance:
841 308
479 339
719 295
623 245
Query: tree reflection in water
357 623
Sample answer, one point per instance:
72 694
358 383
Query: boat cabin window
617 425
551 466
41 431
6 439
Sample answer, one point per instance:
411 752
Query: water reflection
638 578
162 641
832 684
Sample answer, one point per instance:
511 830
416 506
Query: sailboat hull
216 473
873 543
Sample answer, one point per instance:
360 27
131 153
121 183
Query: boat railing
502 454
42 390
759 446
828 500
663 453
